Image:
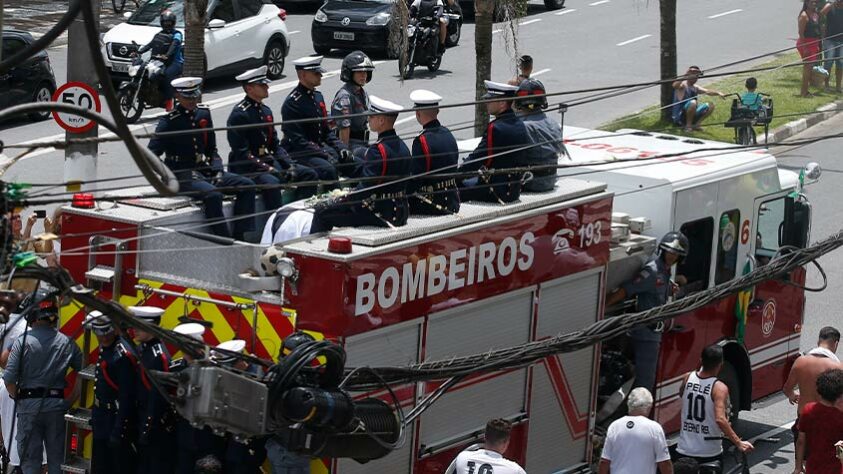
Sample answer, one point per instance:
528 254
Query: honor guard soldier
256 151
356 72
504 145
155 418
35 378
194 160
240 458
311 143
113 414
436 148
652 287
193 443
386 204
545 134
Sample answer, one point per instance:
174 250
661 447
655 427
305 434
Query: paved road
589 43
574 48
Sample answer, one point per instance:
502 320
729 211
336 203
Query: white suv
239 35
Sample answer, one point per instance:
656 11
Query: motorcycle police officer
435 148
167 45
544 132
155 417
257 152
113 413
652 287
35 378
504 145
194 160
386 204
356 72
311 143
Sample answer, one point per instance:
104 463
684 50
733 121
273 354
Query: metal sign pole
80 160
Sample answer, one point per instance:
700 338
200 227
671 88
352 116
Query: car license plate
118 67
342 35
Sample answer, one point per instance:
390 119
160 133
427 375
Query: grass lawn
782 84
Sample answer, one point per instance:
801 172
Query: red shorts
809 48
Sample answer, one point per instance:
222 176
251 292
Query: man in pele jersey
488 458
704 417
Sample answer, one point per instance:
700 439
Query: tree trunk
194 37
667 11
483 19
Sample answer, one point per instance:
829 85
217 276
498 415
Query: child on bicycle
750 98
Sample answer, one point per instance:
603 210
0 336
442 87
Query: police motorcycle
423 41
142 89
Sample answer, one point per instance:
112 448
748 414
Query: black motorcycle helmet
293 341
676 243
356 61
167 20
534 90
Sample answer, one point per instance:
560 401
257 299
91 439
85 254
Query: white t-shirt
634 444
297 224
483 461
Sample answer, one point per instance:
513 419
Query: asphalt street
589 43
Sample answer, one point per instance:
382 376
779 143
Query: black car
31 81
364 25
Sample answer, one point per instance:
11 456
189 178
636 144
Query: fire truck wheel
729 376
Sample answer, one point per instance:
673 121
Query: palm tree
484 12
667 34
194 37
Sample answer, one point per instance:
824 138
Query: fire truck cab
493 276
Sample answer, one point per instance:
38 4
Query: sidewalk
38 16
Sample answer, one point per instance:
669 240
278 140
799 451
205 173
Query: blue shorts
833 53
702 108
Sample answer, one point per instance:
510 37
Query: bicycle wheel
118 5
744 137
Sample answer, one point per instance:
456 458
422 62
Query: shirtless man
807 368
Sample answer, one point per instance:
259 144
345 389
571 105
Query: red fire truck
493 276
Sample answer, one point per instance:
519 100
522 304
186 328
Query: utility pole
80 160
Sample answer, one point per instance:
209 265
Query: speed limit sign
81 95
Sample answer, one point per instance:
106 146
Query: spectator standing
688 111
807 368
821 426
35 378
808 43
636 444
525 68
833 43
489 458
704 417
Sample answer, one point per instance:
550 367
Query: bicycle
740 457
745 117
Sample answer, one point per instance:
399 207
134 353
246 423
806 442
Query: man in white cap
256 151
194 160
435 148
311 142
155 417
112 415
385 204
504 145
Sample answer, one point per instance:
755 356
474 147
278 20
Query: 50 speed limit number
81 95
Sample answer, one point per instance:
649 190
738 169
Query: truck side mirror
797 222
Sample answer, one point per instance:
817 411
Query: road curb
797 126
